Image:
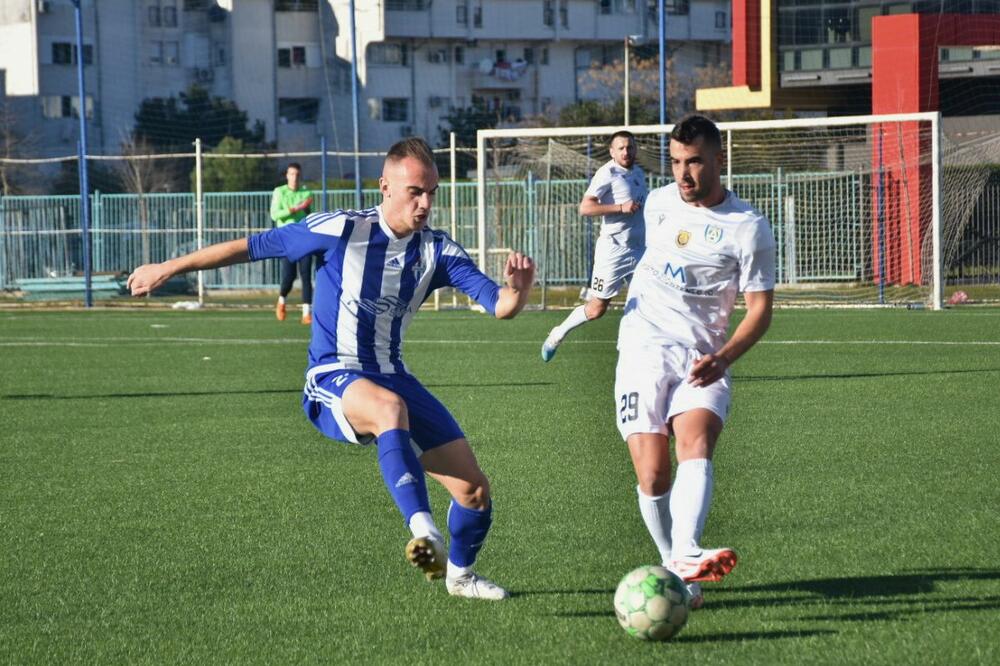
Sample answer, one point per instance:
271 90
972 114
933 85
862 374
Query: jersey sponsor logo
683 237
377 306
660 218
676 274
713 234
395 263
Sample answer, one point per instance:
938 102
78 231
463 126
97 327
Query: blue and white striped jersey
371 284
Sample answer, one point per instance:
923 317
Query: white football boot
550 345
473 586
428 555
704 565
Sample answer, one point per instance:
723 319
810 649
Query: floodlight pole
627 93
88 296
358 203
663 82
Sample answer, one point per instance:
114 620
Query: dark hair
293 165
691 127
414 147
625 134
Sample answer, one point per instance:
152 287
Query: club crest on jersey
683 237
713 234
418 269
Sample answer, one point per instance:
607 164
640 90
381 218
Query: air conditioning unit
44 6
405 130
204 74
434 101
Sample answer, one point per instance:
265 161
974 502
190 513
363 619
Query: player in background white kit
703 245
616 192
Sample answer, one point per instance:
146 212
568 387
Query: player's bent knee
473 493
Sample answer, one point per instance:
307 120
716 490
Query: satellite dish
485 66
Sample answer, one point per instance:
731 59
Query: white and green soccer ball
652 603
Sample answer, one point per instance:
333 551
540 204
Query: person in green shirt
289 204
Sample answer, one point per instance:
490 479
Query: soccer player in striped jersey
380 265
703 245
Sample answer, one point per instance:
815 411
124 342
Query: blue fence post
322 168
3 242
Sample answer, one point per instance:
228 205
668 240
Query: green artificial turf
164 500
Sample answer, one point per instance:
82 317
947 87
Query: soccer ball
652 603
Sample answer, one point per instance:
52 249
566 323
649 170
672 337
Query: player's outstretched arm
519 274
711 367
145 279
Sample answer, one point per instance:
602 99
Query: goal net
866 210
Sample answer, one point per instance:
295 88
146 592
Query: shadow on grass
739 637
198 394
907 583
860 375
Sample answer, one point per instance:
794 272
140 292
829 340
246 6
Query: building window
65 106
171 53
679 7
220 56
460 55
155 53
395 109
438 55
154 16
406 5
477 16
296 5
298 109
462 12
501 55
545 55
62 53
548 13
564 13
388 53
169 14
605 6
720 20
529 55
292 56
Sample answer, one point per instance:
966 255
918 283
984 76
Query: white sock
576 318
281 300
305 309
690 498
656 514
455 571
422 525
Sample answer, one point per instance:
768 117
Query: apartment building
287 62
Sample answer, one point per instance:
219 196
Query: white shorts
651 387
613 263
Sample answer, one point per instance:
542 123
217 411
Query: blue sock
402 472
468 529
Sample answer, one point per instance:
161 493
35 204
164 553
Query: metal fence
822 222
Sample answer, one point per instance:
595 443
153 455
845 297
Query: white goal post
855 201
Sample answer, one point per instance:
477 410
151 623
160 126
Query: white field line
157 340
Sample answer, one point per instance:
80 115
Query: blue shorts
431 424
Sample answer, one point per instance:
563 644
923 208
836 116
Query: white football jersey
696 260
613 184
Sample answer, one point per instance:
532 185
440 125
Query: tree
465 123
235 174
13 144
172 123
